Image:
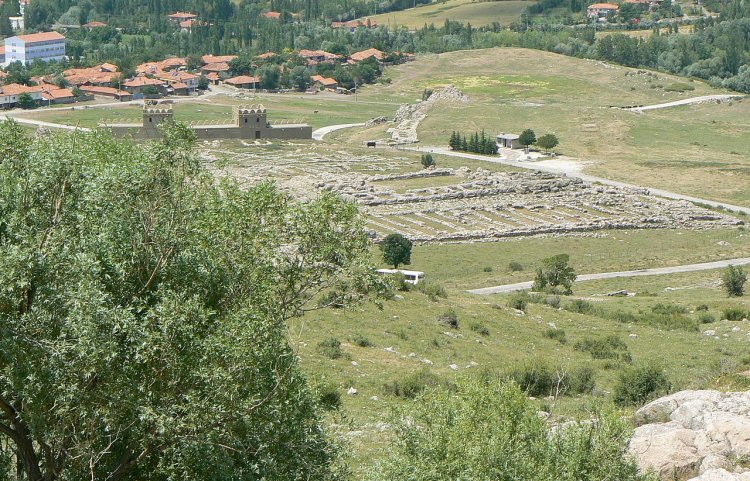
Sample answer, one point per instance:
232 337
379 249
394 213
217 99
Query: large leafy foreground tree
143 308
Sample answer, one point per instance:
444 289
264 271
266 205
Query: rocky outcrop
408 116
698 435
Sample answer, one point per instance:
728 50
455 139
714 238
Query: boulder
694 433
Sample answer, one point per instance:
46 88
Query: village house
216 67
52 94
271 15
174 78
137 85
322 83
100 75
178 17
267 55
318 56
9 94
45 46
602 10
108 92
243 82
208 59
353 25
213 77
94 24
365 54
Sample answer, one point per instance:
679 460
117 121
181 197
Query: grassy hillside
464 11
703 150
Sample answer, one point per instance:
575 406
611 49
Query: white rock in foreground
694 433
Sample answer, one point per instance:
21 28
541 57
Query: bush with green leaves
329 397
144 306
735 314
515 266
527 137
330 348
609 347
490 431
733 280
580 306
412 385
449 318
556 334
547 142
706 318
519 301
555 274
427 161
639 384
538 378
361 341
480 329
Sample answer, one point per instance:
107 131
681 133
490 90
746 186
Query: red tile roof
216 67
272 15
599 6
55 94
267 55
213 76
218 58
41 37
142 82
104 91
17 89
324 81
241 80
182 16
94 24
318 53
365 54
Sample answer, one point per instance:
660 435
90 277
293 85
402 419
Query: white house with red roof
45 46
602 10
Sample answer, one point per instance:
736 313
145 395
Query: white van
412 277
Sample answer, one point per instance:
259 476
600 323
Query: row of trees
546 141
478 142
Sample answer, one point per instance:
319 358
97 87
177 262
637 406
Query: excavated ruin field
462 205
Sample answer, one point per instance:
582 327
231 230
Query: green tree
300 79
733 280
490 430
203 83
527 137
555 272
270 75
194 61
396 250
25 101
144 309
547 142
427 160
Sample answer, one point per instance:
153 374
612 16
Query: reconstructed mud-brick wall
250 123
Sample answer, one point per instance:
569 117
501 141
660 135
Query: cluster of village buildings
604 11
166 77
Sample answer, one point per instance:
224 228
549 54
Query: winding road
519 286
318 134
690 101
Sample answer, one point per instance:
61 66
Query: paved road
693 100
510 158
318 134
611 275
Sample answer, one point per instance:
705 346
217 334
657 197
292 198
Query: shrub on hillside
519 301
556 334
330 348
515 266
706 318
734 314
432 291
412 385
489 430
361 340
580 306
480 329
449 318
538 378
610 347
733 280
329 397
639 384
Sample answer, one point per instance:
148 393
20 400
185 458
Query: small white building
44 46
